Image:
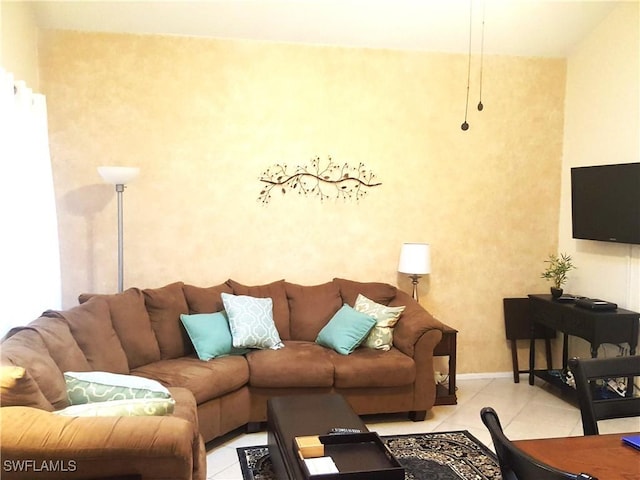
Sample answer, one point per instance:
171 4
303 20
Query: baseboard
484 375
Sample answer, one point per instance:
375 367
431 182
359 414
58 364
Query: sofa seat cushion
367 367
298 364
206 380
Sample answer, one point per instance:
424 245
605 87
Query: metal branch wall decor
322 179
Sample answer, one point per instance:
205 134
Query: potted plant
557 269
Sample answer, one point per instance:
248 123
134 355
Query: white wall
602 126
19 41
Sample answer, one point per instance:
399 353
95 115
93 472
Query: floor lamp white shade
119 176
415 260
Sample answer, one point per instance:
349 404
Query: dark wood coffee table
299 415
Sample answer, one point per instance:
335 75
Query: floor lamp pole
119 191
120 177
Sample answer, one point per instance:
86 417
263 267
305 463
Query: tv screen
605 202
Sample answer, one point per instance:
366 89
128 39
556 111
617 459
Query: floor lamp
120 177
415 260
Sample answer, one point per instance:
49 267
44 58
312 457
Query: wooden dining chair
516 464
594 405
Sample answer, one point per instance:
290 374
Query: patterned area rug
434 456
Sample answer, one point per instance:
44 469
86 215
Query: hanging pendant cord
480 105
465 125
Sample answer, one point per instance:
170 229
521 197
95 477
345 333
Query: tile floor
525 412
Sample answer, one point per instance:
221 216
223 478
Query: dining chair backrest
516 464
595 400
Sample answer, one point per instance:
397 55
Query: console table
446 395
596 327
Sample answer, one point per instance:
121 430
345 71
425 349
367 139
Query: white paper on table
320 465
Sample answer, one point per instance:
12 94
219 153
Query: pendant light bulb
464 126
480 106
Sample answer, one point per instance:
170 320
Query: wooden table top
602 456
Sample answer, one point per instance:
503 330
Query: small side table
446 395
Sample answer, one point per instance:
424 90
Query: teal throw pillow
251 322
92 387
346 330
210 335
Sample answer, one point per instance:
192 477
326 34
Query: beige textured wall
204 118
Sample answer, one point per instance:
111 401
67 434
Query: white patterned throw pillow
251 322
381 336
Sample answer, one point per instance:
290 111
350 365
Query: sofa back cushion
165 305
205 300
311 308
57 337
132 324
381 293
25 348
91 327
276 291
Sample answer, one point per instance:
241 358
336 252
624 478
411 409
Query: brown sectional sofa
139 332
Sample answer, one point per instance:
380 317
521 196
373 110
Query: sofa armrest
413 323
40 444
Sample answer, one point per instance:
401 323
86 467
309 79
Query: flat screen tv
605 202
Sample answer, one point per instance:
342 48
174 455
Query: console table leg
514 361
532 355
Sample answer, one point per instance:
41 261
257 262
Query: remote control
343 431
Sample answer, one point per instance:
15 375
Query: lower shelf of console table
446 393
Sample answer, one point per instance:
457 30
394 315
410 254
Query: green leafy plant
557 269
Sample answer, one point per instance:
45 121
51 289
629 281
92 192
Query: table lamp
415 260
120 177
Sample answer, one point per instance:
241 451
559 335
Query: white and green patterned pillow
251 322
92 387
132 407
381 335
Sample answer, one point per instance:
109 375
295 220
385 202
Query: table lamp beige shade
415 260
